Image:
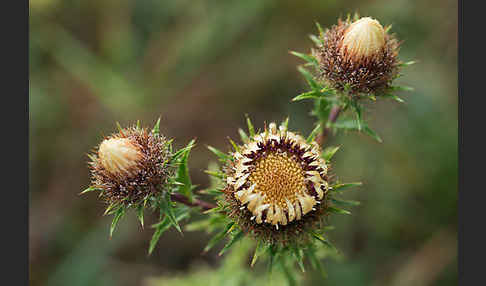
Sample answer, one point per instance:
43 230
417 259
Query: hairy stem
195 202
333 115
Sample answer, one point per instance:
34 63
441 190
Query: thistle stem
195 202
333 115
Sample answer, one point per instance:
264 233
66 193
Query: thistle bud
130 166
119 156
364 38
358 57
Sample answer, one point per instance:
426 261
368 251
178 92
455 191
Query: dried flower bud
364 38
358 57
119 156
277 185
130 166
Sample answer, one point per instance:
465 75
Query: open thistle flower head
277 185
358 56
130 166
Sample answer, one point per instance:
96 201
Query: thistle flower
277 185
358 57
130 166
275 188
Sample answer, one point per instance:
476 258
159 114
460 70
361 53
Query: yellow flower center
279 178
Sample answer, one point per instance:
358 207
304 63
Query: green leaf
167 209
156 129
299 257
90 189
372 133
118 215
289 273
140 209
402 88
285 124
338 210
239 235
235 146
182 175
175 157
164 225
259 250
329 152
324 241
215 174
321 31
218 237
315 262
316 40
251 129
345 203
307 95
307 58
309 78
340 187
409 63
313 134
221 155
243 136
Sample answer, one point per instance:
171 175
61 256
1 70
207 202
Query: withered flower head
277 185
130 166
359 56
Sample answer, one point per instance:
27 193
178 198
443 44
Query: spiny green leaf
285 123
156 129
243 136
321 31
221 155
315 262
323 240
251 129
316 40
372 133
168 210
309 78
409 63
120 129
340 187
338 210
90 189
289 273
161 227
299 257
345 202
239 235
118 215
182 175
307 58
138 125
140 209
235 146
215 174
218 237
313 134
329 152
402 88
307 95
175 157
164 225
259 250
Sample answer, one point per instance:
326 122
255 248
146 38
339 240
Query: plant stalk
333 116
195 202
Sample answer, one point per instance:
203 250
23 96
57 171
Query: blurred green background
201 65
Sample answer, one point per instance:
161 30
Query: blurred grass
202 65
